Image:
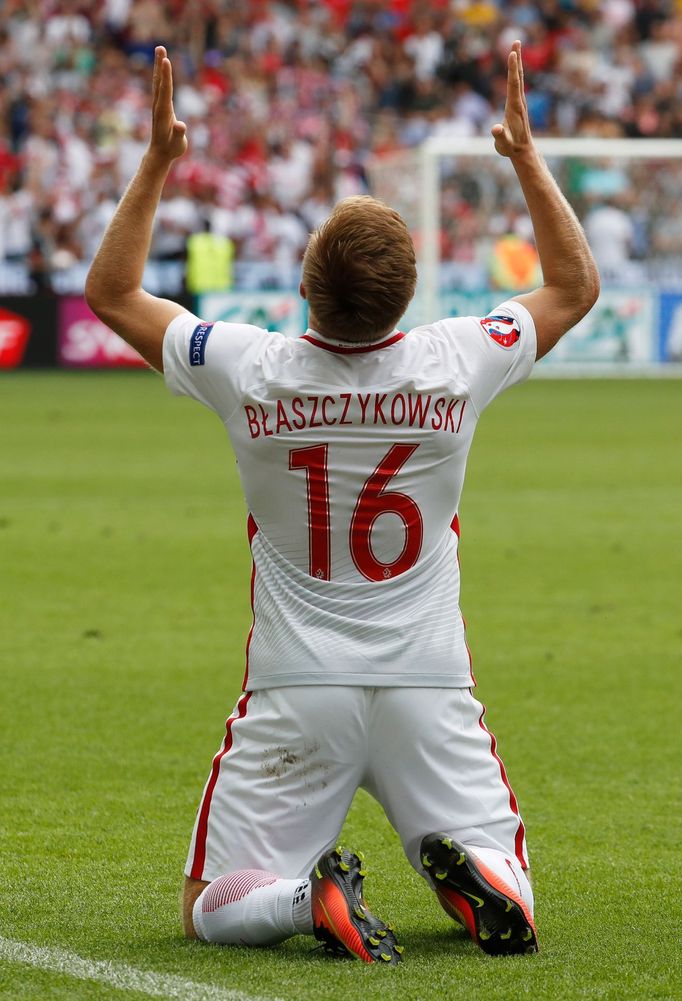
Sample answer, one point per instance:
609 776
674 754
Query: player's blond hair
359 270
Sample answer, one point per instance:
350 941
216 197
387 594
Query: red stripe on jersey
252 531
358 349
466 644
251 528
205 808
520 830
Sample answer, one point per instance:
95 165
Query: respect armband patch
504 330
197 343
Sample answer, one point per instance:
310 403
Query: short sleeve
210 362
492 352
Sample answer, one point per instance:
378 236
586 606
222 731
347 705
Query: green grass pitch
124 575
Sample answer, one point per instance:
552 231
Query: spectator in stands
289 103
611 234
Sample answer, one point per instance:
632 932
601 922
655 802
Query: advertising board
670 327
634 330
627 328
27 327
15 331
83 341
283 311
619 329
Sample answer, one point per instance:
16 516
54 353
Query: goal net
474 240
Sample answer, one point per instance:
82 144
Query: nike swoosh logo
479 900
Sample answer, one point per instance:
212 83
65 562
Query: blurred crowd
288 105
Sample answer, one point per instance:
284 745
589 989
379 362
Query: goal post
465 209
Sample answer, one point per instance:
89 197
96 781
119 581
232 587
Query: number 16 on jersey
373 500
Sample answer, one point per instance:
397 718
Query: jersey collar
344 348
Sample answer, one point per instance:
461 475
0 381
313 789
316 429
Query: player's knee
190 891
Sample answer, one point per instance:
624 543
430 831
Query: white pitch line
119 975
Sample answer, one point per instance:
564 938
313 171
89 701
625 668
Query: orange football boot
341 918
494 914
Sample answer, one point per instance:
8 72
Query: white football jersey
352 461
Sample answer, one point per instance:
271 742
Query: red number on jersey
314 460
374 500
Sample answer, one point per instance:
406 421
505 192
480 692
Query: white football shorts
292 759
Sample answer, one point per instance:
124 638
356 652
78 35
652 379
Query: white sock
253 907
508 869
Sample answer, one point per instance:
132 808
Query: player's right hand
513 137
168 139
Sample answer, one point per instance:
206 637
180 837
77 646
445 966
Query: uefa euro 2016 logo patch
197 343
504 330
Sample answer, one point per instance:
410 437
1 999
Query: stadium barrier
50 331
631 330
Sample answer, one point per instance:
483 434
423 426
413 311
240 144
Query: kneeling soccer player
352 442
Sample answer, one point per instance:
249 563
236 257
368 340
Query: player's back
352 462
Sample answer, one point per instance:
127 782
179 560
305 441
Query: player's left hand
513 137
169 139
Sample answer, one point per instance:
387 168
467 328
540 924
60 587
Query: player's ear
301 291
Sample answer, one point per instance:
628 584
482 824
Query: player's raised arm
114 286
571 279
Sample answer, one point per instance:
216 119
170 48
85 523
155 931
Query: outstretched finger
165 103
514 83
522 84
513 72
159 55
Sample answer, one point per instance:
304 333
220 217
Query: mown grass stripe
118 975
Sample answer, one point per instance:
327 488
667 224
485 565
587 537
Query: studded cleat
340 916
494 914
